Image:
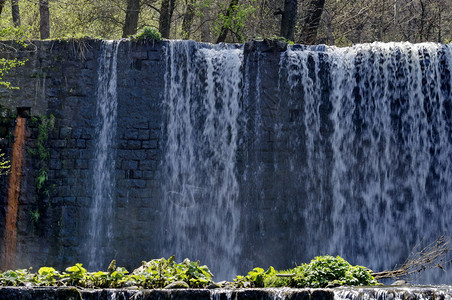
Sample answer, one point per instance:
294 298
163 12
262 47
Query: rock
129 284
213 286
274 45
177 285
400 282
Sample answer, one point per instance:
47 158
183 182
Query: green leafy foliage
5 165
34 216
21 277
321 272
148 33
5 66
46 125
235 19
47 275
41 151
157 273
19 34
76 274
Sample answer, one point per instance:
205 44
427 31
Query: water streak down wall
299 152
9 240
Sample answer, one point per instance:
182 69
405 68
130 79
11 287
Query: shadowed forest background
331 22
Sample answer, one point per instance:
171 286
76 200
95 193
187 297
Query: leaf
44 271
77 268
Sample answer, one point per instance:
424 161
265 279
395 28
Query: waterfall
101 214
396 293
401 147
347 151
274 158
202 107
342 293
372 176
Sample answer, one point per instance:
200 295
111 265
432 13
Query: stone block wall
59 80
285 166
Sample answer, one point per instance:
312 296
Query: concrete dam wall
236 155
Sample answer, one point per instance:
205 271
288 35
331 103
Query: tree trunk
224 29
329 28
2 3
188 19
422 22
166 12
205 25
312 22
44 26
15 12
131 22
289 18
440 18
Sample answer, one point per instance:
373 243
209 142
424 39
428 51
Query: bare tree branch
420 259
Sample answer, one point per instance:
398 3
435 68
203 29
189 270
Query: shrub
5 165
321 272
157 273
148 33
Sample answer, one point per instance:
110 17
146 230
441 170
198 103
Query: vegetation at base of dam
323 271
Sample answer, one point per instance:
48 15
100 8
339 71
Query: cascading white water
345 293
346 151
376 122
202 103
395 293
101 214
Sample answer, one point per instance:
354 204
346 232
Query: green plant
41 179
158 273
75 275
46 125
34 216
16 277
255 278
47 276
321 272
41 151
5 165
19 34
115 277
328 270
234 19
5 66
150 33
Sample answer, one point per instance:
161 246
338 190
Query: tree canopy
332 22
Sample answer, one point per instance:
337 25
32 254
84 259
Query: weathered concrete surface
190 294
351 293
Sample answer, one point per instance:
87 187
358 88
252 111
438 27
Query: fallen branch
431 256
